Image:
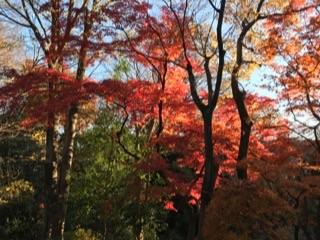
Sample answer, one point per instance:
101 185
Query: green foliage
121 68
107 190
18 147
17 211
20 183
81 234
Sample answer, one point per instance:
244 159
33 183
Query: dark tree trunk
240 95
317 232
246 124
51 173
210 171
296 232
192 228
211 165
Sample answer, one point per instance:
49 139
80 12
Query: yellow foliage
16 190
81 234
39 136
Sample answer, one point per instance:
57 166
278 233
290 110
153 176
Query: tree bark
246 124
192 224
65 171
239 96
51 178
317 232
210 171
296 232
51 171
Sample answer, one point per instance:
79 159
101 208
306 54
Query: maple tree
63 39
178 56
298 68
295 82
180 22
188 134
190 44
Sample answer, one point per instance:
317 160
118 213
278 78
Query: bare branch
214 6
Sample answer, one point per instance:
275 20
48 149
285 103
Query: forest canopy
160 120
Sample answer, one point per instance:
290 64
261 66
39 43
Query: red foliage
297 46
182 129
31 91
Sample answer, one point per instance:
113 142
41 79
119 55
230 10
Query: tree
107 193
298 70
53 43
198 47
297 47
240 95
176 17
175 93
67 33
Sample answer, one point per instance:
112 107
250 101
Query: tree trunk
211 168
239 98
65 166
243 149
51 173
246 124
192 228
296 232
317 232
58 178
